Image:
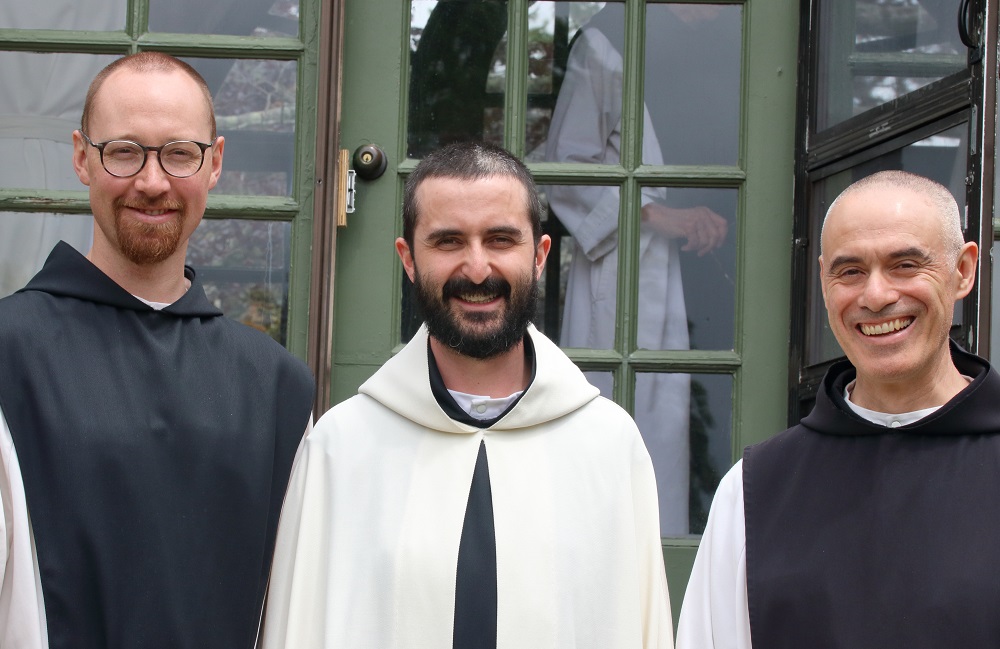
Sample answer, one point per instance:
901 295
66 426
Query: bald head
145 62
944 206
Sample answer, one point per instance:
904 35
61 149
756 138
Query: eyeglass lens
181 159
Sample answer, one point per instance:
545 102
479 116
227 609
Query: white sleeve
296 600
22 611
657 621
714 614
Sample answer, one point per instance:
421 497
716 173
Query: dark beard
147 243
446 327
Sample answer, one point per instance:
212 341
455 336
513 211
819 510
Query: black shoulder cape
863 536
155 448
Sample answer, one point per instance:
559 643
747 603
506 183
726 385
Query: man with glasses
144 441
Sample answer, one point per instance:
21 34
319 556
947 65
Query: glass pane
27 239
255 111
541 94
586 119
687 268
236 17
96 15
692 84
686 422
37 119
244 266
458 67
940 157
872 52
582 271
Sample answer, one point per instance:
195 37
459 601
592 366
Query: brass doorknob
370 161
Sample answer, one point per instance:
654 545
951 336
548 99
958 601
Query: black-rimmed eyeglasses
124 158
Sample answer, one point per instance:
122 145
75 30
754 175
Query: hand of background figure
703 229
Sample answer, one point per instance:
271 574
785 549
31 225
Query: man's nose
152 179
879 292
477 266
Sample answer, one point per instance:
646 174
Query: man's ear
541 254
968 259
406 256
822 284
216 160
80 158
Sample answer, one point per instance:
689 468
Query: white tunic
368 541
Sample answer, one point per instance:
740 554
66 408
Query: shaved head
945 207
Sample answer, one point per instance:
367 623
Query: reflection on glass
686 423
255 112
38 113
236 17
96 15
458 64
244 267
940 157
687 269
583 262
27 239
692 86
551 28
586 121
872 52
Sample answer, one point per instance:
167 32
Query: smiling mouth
889 327
477 299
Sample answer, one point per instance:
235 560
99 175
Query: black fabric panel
864 536
476 576
155 449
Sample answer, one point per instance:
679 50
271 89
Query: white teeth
477 299
886 327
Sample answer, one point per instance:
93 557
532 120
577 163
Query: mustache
174 206
457 286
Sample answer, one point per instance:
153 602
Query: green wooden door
659 122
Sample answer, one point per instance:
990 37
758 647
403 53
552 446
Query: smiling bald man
867 524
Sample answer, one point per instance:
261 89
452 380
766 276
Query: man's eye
121 152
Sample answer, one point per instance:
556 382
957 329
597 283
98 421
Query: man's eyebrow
842 260
912 252
441 233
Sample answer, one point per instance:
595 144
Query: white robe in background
368 540
39 111
586 128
